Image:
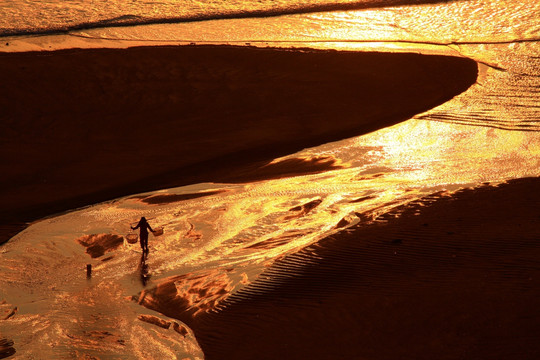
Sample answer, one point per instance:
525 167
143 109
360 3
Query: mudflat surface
83 126
451 277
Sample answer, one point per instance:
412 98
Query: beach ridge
85 126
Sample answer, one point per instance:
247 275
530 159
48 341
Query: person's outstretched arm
149 228
136 227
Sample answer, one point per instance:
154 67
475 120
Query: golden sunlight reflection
218 238
447 158
248 225
422 25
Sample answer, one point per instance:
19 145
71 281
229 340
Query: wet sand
6 348
448 277
84 126
451 276
6 345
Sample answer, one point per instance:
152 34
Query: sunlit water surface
487 134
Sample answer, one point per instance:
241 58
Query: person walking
143 227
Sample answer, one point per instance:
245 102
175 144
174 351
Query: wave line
134 20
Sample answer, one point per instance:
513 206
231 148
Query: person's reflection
143 268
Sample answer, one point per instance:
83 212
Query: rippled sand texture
416 241
29 17
219 239
262 270
449 276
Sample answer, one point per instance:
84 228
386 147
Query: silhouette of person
143 227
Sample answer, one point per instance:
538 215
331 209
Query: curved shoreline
448 276
84 126
134 20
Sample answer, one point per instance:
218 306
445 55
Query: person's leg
146 243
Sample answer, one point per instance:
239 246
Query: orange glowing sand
447 275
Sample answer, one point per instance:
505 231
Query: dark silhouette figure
143 227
